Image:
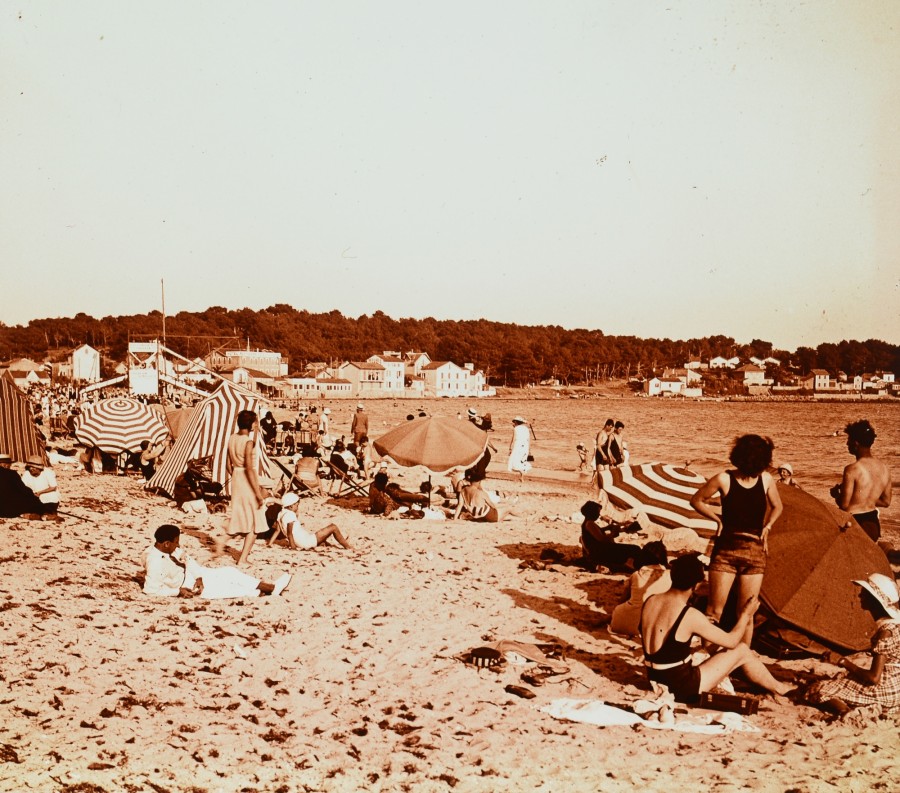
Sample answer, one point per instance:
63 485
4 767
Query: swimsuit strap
670 634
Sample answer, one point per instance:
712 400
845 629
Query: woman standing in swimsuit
668 623
748 493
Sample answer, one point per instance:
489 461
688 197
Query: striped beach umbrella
212 422
19 436
119 424
663 492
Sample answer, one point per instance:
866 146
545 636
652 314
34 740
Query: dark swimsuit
870 524
682 678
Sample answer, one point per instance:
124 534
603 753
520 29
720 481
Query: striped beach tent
120 424
663 492
212 423
19 436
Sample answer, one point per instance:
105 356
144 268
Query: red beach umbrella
812 564
119 424
437 443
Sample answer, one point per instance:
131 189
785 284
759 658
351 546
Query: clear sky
704 168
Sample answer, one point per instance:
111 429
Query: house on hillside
750 374
415 362
270 363
817 380
664 386
85 364
689 377
299 387
334 387
394 372
366 377
718 362
445 379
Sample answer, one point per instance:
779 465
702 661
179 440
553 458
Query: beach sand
351 680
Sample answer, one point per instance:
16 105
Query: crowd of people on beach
687 650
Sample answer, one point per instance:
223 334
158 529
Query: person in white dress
520 448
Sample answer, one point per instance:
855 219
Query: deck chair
305 480
340 475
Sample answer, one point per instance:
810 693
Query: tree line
509 354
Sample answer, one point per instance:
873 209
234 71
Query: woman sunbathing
668 623
478 504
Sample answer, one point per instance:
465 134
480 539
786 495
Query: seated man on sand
288 524
598 541
380 503
170 572
669 623
16 498
42 482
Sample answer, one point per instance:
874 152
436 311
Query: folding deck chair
347 485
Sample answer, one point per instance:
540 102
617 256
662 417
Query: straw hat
786 467
519 420
5 458
360 407
327 411
473 412
289 499
884 590
34 462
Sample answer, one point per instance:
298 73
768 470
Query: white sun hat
884 590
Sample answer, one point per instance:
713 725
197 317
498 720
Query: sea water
809 435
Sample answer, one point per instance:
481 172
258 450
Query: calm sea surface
673 431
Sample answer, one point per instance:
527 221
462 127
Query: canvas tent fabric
178 419
19 435
813 560
212 423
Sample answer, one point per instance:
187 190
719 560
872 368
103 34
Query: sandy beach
352 680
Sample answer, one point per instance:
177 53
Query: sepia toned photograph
479 397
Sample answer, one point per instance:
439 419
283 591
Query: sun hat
289 499
473 412
884 590
786 467
360 407
519 420
327 411
34 461
5 458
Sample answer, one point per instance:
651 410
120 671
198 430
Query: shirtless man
866 484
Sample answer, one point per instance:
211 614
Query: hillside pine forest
509 354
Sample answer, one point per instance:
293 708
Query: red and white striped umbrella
661 491
119 424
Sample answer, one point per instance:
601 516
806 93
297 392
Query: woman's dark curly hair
751 454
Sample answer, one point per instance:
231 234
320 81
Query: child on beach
288 524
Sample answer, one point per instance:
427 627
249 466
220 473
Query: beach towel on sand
594 711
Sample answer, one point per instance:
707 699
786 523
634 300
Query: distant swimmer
866 484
